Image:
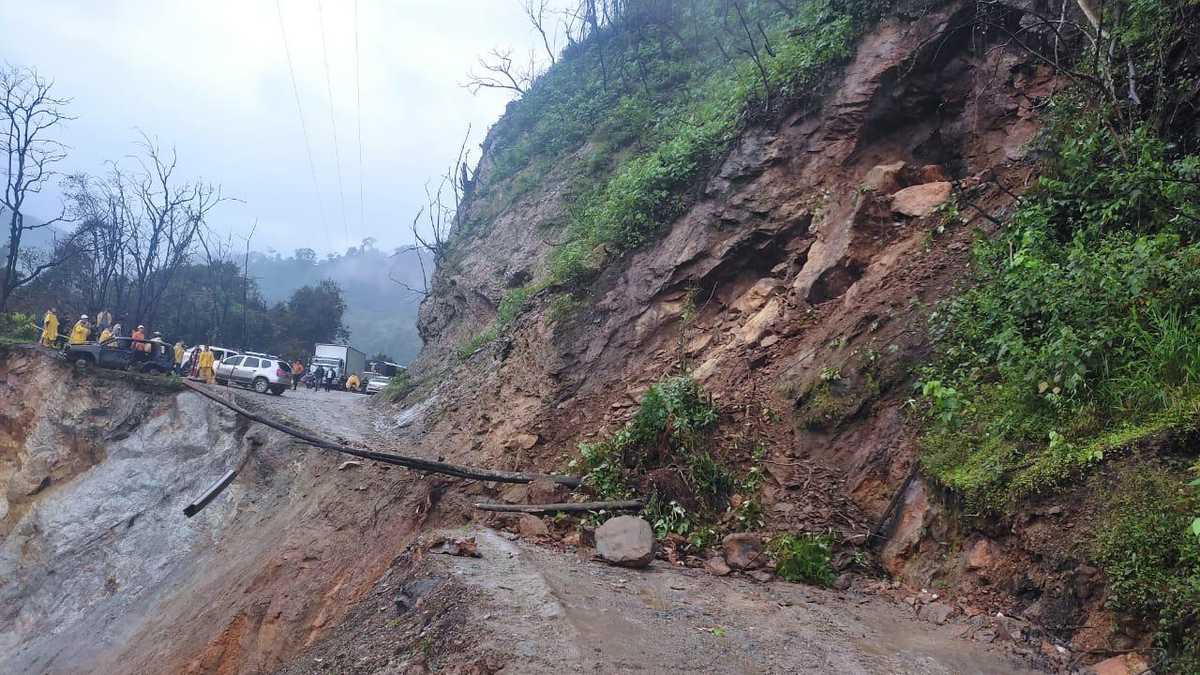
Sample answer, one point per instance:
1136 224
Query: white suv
262 372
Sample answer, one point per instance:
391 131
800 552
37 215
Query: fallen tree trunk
415 463
630 505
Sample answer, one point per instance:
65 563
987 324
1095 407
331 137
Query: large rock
742 550
919 201
1125 664
884 178
626 540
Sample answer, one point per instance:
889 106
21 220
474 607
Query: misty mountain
380 313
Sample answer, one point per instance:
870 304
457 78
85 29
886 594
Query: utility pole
246 281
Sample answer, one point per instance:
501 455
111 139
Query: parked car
376 382
118 354
261 372
219 354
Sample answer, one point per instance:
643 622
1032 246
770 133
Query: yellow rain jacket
105 336
79 334
352 383
49 328
179 350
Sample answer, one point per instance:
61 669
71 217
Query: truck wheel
261 385
82 363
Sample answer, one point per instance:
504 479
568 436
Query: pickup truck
118 354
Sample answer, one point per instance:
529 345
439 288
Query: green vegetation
1082 333
398 387
1152 562
670 433
1080 339
803 558
18 328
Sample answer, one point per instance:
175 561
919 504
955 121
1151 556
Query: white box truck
344 359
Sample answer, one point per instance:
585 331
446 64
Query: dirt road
523 608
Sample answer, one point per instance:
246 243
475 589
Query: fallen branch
630 505
415 463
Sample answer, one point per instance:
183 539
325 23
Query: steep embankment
103 573
795 284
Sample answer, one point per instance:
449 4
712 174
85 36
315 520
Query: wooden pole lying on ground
415 463
630 505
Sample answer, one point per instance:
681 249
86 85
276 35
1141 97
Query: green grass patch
400 385
803 558
1152 561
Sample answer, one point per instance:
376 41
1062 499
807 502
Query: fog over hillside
380 313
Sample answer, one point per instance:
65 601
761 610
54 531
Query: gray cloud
210 78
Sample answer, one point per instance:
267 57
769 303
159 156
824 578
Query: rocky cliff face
796 289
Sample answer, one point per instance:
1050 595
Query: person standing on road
318 377
297 373
79 334
352 382
180 348
206 366
50 328
329 375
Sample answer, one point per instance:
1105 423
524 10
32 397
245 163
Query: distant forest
381 314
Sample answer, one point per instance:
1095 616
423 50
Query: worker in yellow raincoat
50 328
206 366
180 348
81 331
105 336
352 382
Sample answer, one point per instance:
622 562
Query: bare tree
499 71
29 113
440 216
535 10
169 217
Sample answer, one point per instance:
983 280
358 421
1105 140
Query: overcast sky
211 78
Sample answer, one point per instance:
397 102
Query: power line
312 167
362 209
337 155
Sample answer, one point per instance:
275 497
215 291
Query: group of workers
201 366
108 332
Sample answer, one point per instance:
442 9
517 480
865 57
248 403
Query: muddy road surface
521 607
312 562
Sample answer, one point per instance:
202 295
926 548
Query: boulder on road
919 201
742 550
626 540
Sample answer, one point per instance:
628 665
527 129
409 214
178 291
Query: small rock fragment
742 550
716 566
936 612
532 527
348 464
